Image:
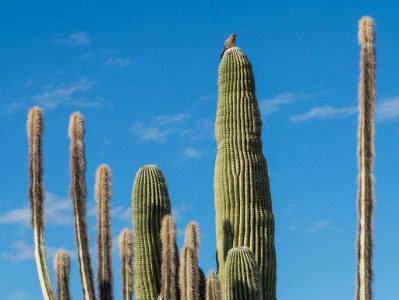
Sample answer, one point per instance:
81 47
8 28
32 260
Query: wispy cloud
387 109
58 211
270 106
179 209
321 225
71 94
305 225
121 213
78 38
193 153
18 296
324 112
21 251
118 62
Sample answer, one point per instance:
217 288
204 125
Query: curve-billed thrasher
229 43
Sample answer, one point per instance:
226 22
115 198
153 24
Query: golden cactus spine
367 94
62 271
104 239
36 196
126 257
78 194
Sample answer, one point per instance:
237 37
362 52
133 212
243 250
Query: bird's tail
221 55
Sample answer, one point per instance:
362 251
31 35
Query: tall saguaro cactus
36 196
170 260
62 270
104 239
150 203
189 275
213 291
242 277
243 204
78 195
367 94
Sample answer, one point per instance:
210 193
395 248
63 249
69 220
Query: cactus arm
189 275
242 276
367 94
36 196
243 204
126 256
104 240
150 203
170 262
62 270
78 195
213 291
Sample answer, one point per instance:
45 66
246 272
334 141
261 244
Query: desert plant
243 204
150 203
170 260
78 194
367 94
62 270
36 196
126 257
242 276
189 275
104 239
213 291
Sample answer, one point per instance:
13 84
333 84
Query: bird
229 43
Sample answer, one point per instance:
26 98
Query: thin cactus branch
367 94
36 196
213 291
62 271
78 195
189 275
126 257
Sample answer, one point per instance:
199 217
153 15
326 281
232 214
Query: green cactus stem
170 260
36 196
189 275
104 239
62 271
367 94
150 203
242 276
126 257
243 203
213 291
78 195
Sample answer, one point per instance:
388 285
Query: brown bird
229 43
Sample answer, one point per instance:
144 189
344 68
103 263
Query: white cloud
387 109
269 106
78 38
18 296
57 211
192 153
321 225
122 213
325 112
169 119
179 209
118 62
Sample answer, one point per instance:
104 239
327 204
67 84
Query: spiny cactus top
150 203
367 94
242 195
62 270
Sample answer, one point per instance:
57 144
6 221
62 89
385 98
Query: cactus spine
242 194
242 277
213 287
104 240
126 256
62 270
36 196
170 260
78 195
150 203
189 275
367 94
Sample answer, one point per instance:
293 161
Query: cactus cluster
246 258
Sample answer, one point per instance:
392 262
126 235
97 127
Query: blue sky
144 75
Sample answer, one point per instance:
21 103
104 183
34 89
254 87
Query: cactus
213 287
62 270
36 196
104 239
189 275
126 256
150 203
242 276
78 195
170 260
202 284
367 94
242 195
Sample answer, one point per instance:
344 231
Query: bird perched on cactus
229 43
